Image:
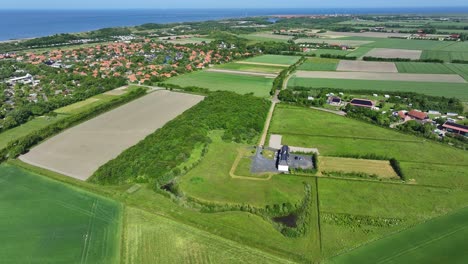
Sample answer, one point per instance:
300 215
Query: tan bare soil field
367 66
261 74
382 76
353 43
395 53
81 150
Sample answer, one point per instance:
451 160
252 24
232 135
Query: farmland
215 81
366 66
179 243
319 64
429 68
103 138
394 53
250 67
49 222
274 59
440 240
347 165
458 90
446 56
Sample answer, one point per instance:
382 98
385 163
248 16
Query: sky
154 4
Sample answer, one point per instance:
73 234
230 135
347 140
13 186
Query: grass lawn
319 64
419 67
459 90
215 81
210 181
250 67
441 240
45 221
180 243
380 168
25 129
275 59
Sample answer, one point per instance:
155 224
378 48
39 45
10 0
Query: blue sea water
19 24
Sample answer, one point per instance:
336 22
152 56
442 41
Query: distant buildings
363 103
456 128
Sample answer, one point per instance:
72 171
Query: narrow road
341 113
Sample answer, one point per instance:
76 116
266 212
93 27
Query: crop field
319 52
352 43
250 67
458 90
383 76
380 168
262 37
44 221
460 69
274 59
446 56
215 81
394 53
81 150
367 66
179 243
418 67
319 64
405 44
441 240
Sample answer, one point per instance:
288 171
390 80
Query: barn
283 159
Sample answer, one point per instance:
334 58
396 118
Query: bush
397 168
340 57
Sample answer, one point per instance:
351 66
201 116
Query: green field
250 67
458 90
319 64
460 69
216 81
275 59
44 221
441 240
344 203
446 56
392 43
418 67
255 38
179 243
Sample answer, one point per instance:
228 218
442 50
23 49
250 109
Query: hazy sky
103 4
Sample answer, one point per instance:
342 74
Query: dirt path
264 64
261 74
267 124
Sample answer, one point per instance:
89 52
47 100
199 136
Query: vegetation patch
275 59
319 64
421 67
377 168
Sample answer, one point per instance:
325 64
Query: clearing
382 76
81 150
395 53
366 66
217 81
45 221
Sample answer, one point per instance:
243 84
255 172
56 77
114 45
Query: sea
21 24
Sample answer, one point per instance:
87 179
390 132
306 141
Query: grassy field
210 181
441 240
274 59
215 81
459 90
418 67
319 64
265 37
250 67
179 243
393 43
380 168
460 69
44 221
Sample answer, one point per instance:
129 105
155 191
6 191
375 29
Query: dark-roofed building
283 159
456 128
362 103
334 100
418 115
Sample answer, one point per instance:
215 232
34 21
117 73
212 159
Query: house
418 115
456 128
362 103
283 159
334 100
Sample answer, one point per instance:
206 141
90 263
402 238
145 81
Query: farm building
418 115
456 128
362 103
334 100
283 159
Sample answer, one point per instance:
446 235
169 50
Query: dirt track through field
79 151
264 64
367 66
261 74
383 76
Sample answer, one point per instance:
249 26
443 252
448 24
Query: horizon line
239 8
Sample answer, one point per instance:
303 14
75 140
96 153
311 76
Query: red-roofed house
418 115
